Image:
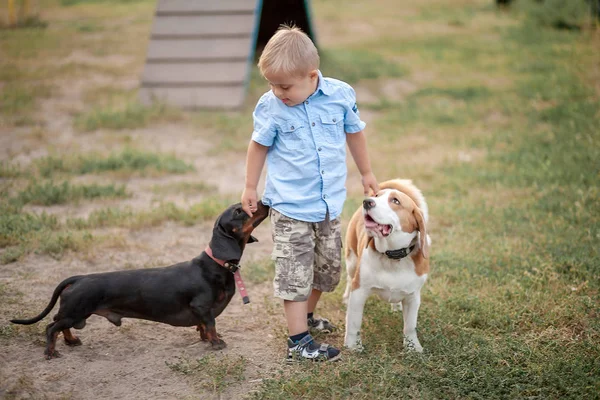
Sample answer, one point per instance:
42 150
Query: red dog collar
235 269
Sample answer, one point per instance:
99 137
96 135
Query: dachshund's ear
224 245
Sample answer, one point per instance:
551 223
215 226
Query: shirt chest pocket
333 127
291 134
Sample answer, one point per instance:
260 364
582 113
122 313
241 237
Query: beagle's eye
395 201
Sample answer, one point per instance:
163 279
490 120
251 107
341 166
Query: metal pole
12 15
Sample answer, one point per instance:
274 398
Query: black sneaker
308 349
321 325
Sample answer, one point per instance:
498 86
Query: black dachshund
186 294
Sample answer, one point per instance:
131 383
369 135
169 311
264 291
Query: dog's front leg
206 326
410 312
354 315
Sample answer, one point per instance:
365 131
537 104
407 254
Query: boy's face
293 90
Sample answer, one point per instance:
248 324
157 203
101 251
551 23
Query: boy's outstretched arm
357 143
255 160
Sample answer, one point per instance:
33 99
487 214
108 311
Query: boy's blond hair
289 51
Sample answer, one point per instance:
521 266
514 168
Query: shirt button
319 149
306 102
292 128
322 172
324 196
334 120
313 124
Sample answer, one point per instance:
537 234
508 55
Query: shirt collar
322 86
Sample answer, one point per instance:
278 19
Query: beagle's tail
53 300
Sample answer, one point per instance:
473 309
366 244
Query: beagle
387 249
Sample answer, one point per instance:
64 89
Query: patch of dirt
132 361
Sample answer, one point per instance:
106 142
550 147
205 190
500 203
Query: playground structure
201 52
25 12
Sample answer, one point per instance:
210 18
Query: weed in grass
17 102
16 226
9 170
49 193
132 115
128 160
7 331
87 27
354 65
133 160
212 372
206 210
11 254
102 218
260 270
57 244
22 233
185 188
467 93
573 14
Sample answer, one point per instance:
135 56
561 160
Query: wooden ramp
200 53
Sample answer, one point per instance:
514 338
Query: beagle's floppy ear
424 246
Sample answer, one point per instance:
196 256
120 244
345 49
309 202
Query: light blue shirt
306 160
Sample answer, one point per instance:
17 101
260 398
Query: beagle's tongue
372 225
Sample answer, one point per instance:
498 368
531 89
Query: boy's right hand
249 201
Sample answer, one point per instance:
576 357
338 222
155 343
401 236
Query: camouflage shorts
307 255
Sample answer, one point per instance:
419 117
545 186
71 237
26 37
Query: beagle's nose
368 204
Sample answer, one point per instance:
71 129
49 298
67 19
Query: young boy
301 127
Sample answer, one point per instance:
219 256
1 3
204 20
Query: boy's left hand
369 183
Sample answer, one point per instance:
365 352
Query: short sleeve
352 121
264 131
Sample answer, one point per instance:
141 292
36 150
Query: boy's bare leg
313 299
295 315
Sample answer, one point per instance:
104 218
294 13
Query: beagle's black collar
400 253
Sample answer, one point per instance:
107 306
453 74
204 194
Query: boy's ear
314 74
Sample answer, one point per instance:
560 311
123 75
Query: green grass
22 233
130 116
207 209
510 310
258 271
10 170
17 102
354 65
186 188
50 193
212 372
126 161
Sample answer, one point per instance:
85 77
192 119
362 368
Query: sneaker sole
298 360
